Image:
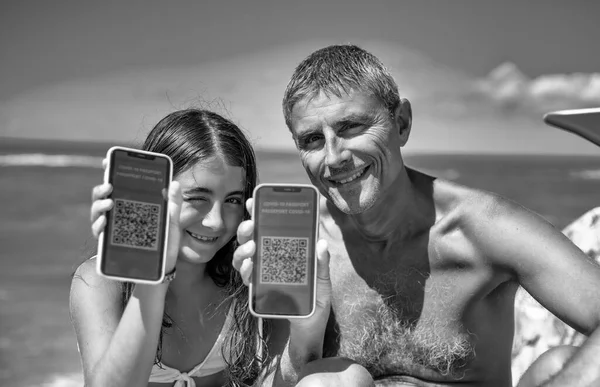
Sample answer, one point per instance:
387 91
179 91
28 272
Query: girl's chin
191 256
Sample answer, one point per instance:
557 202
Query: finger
104 163
98 226
242 253
245 231
175 202
246 271
99 207
101 191
249 205
322 260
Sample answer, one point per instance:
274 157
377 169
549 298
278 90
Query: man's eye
309 142
351 126
237 201
312 138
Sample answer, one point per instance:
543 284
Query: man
423 271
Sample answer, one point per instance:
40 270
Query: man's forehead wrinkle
318 111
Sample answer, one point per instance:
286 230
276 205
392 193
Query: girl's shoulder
86 277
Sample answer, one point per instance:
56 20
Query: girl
196 329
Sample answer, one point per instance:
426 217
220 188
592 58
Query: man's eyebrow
350 118
353 118
311 130
235 193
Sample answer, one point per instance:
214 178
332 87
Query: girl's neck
191 281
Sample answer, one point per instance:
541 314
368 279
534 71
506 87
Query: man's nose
337 155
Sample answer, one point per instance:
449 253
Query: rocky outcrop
536 329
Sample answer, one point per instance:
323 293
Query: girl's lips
202 238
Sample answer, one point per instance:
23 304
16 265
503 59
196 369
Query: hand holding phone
242 262
284 274
133 230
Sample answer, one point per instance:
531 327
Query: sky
60 58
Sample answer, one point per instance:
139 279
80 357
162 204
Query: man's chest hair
393 333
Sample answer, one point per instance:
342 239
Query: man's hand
242 262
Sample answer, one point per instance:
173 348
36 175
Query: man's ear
403 118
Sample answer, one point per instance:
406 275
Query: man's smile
345 178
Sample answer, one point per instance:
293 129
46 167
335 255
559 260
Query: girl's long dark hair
189 137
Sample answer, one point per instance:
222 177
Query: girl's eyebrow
196 190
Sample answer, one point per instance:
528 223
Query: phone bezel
100 255
314 274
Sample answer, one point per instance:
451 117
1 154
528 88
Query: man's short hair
337 70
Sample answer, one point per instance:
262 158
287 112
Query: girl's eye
237 201
195 199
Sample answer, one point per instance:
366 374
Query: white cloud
509 87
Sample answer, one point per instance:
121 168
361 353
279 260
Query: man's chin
351 207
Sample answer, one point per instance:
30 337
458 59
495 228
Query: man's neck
402 211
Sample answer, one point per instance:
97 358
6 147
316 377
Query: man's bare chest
400 310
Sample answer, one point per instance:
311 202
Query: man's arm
306 336
553 270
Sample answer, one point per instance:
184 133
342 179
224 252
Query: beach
45 189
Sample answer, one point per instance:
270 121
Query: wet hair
337 70
194 136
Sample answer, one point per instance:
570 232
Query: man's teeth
203 238
353 177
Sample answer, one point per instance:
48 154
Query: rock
536 329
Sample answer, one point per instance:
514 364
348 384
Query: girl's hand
101 204
174 238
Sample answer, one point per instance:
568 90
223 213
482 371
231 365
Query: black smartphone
284 266
132 246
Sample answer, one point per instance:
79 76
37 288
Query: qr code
284 260
135 224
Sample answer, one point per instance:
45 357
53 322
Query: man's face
349 146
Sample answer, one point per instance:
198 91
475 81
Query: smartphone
132 246
284 275
583 122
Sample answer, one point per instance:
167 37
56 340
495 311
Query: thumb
173 239
322 260
175 201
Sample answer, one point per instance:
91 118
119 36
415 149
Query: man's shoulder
458 201
468 208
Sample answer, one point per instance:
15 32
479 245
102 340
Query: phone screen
134 236
285 234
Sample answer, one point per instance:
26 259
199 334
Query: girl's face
213 207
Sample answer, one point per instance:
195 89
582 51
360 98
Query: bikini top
213 363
